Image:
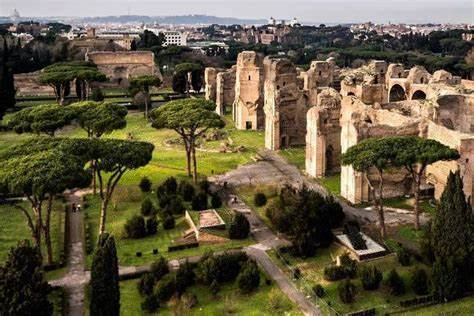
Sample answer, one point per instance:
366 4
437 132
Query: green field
463 306
312 270
228 302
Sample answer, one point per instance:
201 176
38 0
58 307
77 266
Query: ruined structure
323 135
210 76
225 90
285 105
247 109
120 66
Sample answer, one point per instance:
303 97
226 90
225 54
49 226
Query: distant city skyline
323 11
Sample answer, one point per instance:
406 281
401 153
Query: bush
239 227
145 185
186 190
159 268
349 265
135 227
249 277
151 226
214 287
150 304
222 268
260 199
216 201
334 273
419 282
97 95
199 202
205 185
395 283
170 185
403 256
319 291
174 205
165 288
185 277
333 211
168 222
346 291
147 207
355 237
146 284
370 278
297 273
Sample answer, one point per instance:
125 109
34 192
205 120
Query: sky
323 11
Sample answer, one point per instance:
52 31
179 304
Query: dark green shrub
145 185
216 201
147 207
297 273
135 227
150 304
419 282
168 222
334 273
370 278
214 287
205 185
185 277
151 226
346 291
260 199
239 227
249 277
97 95
170 185
186 190
349 265
319 291
395 283
403 256
146 284
199 202
174 205
165 288
333 211
223 268
355 236
159 268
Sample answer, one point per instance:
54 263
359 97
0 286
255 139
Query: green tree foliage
23 287
104 283
97 95
185 277
135 227
395 283
149 40
40 169
60 75
370 277
239 227
145 185
182 71
249 277
347 291
151 225
415 154
165 288
191 119
99 118
452 241
7 87
186 190
144 83
419 281
168 222
159 268
372 154
199 202
216 201
41 119
147 207
220 268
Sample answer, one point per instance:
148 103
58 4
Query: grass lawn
312 270
128 206
331 183
247 193
13 228
229 301
463 306
295 156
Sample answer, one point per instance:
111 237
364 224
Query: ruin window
250 78
248 125
376 80
399 75
367 120
320 73
278 87
284 83
422 80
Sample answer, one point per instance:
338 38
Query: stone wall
119 67
225 90
210 76
28 84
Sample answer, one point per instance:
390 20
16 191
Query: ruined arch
329 159
418 95
397 93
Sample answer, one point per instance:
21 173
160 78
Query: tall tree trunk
103 213
47 231
416 207
146 106
193 153
187 147
381 214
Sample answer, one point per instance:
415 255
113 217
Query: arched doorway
397 93
418 95
329 159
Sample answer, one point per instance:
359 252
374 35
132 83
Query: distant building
15 15
175 38
272 21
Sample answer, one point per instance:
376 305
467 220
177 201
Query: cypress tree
104 284
451 241
7 87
